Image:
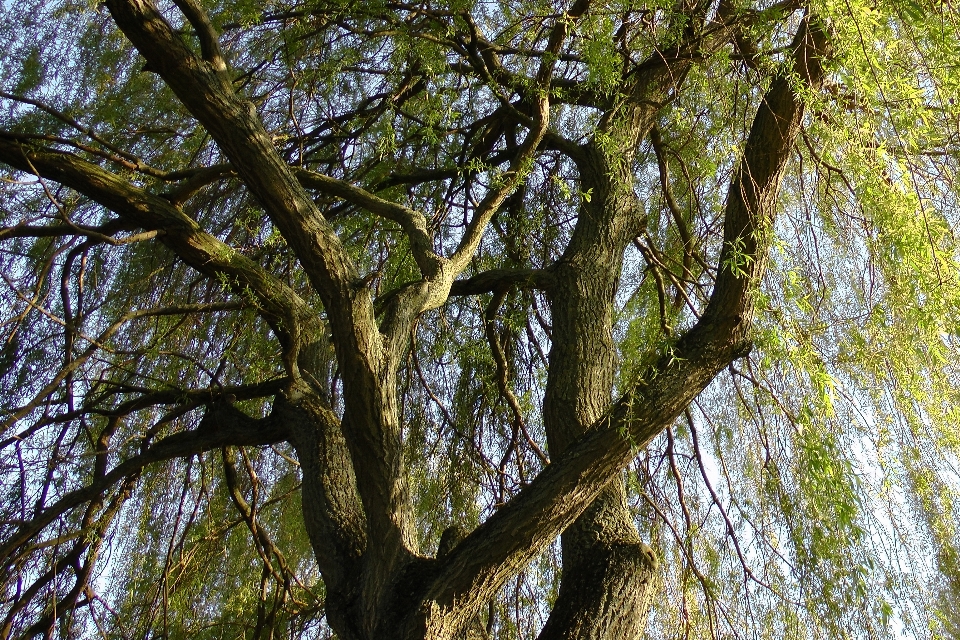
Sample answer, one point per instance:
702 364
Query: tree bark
608 572
354 504
609 575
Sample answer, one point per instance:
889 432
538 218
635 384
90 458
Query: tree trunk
354 502
608 572
609 575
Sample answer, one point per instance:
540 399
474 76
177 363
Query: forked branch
521 529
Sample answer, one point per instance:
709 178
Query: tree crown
298 291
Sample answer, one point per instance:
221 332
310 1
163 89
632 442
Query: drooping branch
114 153
264 544
295 323
521 529
137 207
58 230
223 425
751 199
95 345
298 327
92 533
185 398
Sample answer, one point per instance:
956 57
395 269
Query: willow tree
479 319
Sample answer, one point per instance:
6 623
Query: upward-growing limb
557 497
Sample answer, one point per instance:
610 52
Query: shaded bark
604 560
332 511
354 500
609 575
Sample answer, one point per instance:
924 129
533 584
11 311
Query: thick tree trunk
355 510
608 572
609 575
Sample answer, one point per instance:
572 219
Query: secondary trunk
608 572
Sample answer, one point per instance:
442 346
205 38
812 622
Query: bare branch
489 281
413 223
222 426
201 250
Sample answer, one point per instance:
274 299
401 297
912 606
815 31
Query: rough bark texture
609 575
604 560
355 506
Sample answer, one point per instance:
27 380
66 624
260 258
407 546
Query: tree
331 317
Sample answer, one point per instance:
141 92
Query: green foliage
810 492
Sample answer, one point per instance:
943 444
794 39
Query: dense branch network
312 226
201 87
